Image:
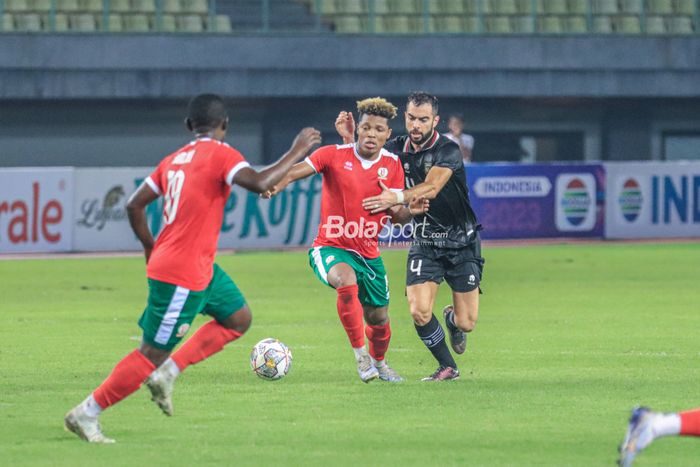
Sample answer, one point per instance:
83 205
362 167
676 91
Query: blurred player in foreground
183 279
646 425
345 253
446 244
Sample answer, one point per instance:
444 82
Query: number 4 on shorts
416 267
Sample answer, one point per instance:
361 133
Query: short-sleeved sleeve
155 180
449 156
232 162
321 158
397 180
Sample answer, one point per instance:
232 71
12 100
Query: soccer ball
270 359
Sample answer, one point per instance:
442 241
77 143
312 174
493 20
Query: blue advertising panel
538 201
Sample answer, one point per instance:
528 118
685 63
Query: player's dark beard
424 137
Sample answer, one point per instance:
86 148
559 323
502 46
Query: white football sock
92 408
359 352
378 363
171 367
666 424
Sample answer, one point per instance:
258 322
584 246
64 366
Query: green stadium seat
628 25
350 24
136 23
194 6
471 24
472 6
91 6
524 24
60 22
328 7
222 24
381 7
30 22
680 25
170 6
356 7
576 24
503 7
67 6
82 22
40 6
631 6
447 7
168 23
190 23
143 6
602 25
579 7
446 24
604 6
525 7
499 25
660 7
8 22
405 7
398 24
120 6
550 24
684 7
16 6
115 22
655 25
555 7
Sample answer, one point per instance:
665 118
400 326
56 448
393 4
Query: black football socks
433 337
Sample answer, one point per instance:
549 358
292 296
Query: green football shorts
372 281
171 309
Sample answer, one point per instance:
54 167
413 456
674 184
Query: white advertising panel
36 206
645 200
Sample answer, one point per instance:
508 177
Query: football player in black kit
446 238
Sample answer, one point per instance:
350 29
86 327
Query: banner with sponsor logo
36 209
538 201
653 199
100 222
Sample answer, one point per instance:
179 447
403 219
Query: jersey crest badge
382 173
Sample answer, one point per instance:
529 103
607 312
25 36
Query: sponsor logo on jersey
329 259
472 279
630 199
382 173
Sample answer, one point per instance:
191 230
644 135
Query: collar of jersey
365 163
407 146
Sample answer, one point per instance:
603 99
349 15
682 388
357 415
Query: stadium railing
354 16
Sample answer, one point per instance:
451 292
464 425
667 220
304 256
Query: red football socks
690 423
208 340
378 337
350 312
125 378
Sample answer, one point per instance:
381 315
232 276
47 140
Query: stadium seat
576 24
503 7
120 6
660 7
328 7
82 22
550 24
194 6
115 22
30 22
91 6
447 7
168 24
579 7
170 6
143 6
60 22
40 6
684 7
446 24
399 24
471 24
555 7
190 23
8 22
604 6
680 25
631 6
499 25
602 25
405 7
655 25
67 6
16 6
222 24
472 6
349 24
356 7
381 7
628 25
136 23
524 24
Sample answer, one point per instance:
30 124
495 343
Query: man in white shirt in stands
465 142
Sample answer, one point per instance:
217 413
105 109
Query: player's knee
239 321
421 315
466 324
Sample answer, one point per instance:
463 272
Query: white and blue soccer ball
270 359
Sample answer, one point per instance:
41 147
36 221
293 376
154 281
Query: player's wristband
400 197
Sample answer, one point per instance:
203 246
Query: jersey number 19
176 178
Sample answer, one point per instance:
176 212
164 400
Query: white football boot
85 426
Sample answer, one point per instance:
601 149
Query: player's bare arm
403 214
345 126
299 171
260 182
434 182
136 211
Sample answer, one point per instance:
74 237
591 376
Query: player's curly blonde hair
376 106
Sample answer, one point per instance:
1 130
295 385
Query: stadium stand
355 16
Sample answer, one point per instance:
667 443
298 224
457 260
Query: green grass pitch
569 338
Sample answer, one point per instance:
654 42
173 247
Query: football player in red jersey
183 279
345 253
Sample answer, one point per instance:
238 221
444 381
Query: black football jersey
450 221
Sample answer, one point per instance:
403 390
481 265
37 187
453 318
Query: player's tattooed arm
136 211
260 182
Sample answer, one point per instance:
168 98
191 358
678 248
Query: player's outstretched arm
345 126
403 214
136 211
260 182
299 171
435 181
